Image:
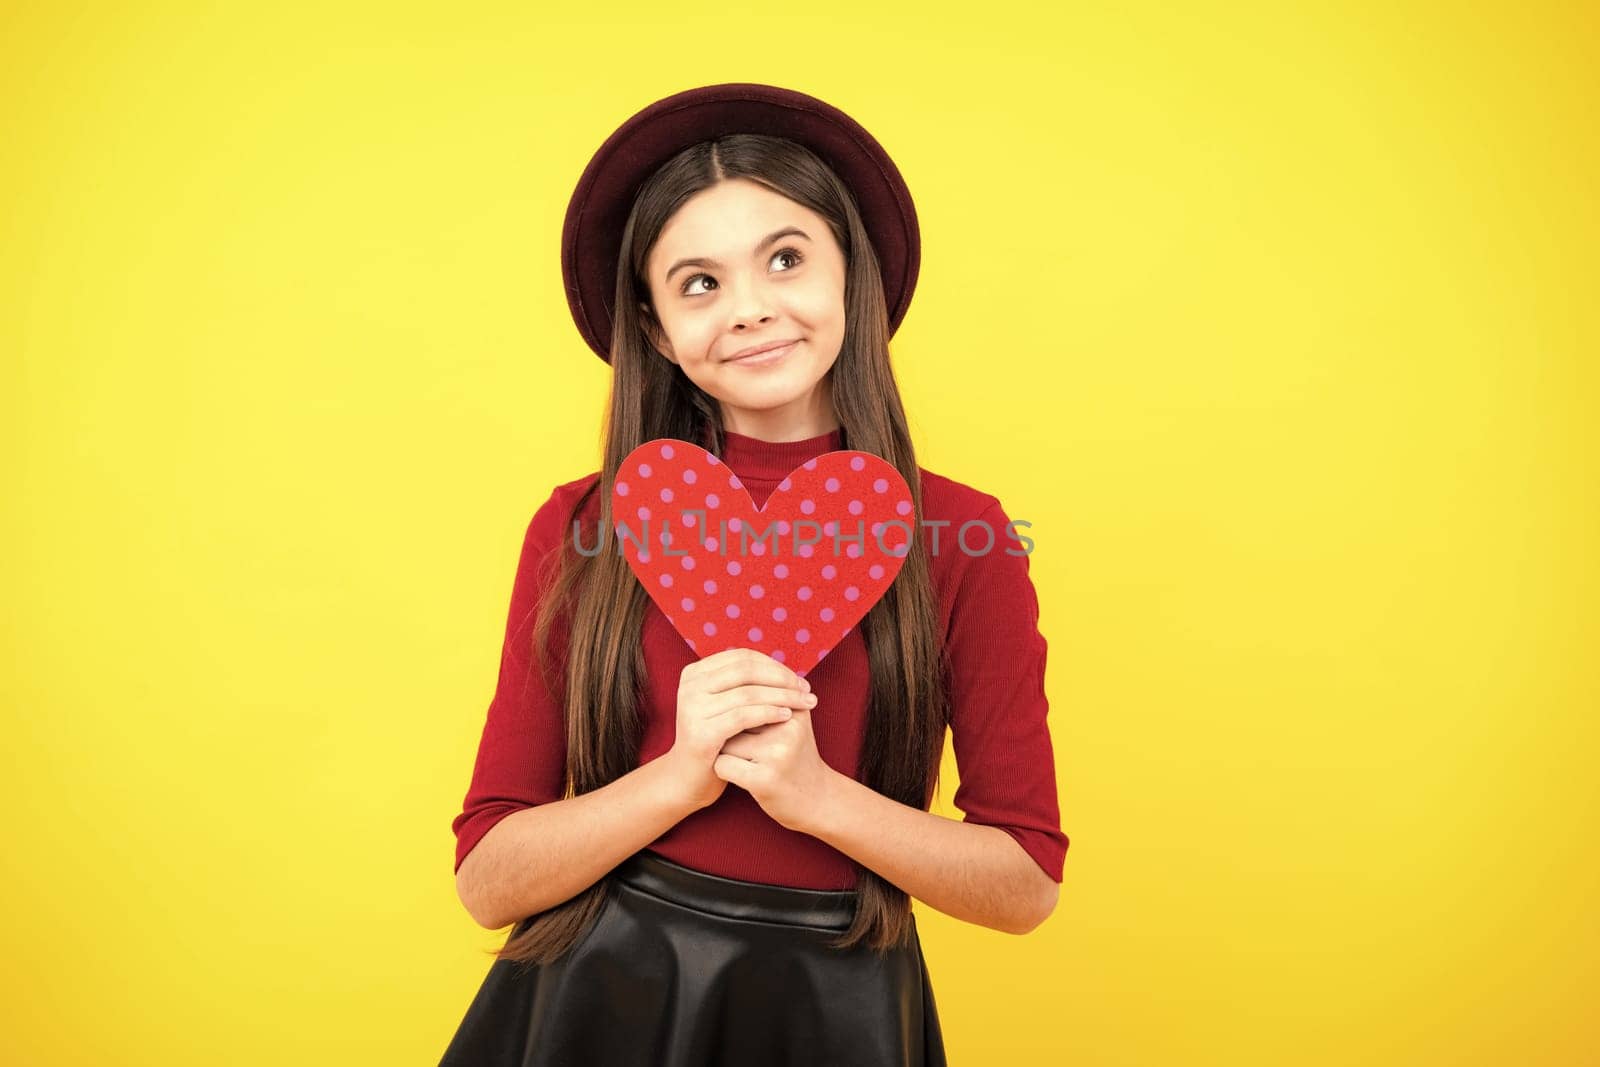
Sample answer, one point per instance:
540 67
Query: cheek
688 331
818 307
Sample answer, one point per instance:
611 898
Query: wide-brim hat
591 237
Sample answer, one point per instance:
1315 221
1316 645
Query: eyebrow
787 231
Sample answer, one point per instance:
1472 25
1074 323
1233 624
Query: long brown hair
908 706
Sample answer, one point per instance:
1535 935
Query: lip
767 353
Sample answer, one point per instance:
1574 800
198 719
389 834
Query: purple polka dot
644 513
735 524
666 580
733 611
733 480
855 507
830 527
754 634
666 496
881 485
779 614
711 544
777 654
689 520
622 488
710 586
806 550
826 615
666 453
903 508
784 485
709 628
783 527
781 571
831 485
810 464
807 507
688 563
644 470
686 604
852 550
644 557
851 592
802 636
758 549
733 566
713 501
857 462
804 593
875 571
756 592
689 475
829 571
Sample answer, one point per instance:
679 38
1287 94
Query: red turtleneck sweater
989 614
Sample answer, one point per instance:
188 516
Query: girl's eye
791 252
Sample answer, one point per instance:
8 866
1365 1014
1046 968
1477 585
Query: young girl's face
740 266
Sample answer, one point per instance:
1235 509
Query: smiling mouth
771 355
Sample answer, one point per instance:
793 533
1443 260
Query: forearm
541 856
970 871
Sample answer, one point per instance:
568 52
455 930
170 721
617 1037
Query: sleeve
996 660
521 759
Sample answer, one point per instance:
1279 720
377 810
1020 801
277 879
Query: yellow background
1278 326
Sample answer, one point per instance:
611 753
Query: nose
750 307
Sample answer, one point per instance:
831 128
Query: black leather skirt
687 969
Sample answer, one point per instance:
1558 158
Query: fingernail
806 685
811 698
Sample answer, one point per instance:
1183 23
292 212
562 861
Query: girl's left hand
779 765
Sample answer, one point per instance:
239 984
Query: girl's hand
719 696
779 765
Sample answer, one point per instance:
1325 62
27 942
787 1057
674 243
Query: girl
711 860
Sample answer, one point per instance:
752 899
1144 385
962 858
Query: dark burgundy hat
592 235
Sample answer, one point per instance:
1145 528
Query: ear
653 331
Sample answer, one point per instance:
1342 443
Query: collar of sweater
769 462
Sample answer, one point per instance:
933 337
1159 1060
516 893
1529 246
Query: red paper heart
775 579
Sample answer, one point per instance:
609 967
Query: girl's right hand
722 695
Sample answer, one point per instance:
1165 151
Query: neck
799 420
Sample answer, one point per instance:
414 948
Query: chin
763 401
